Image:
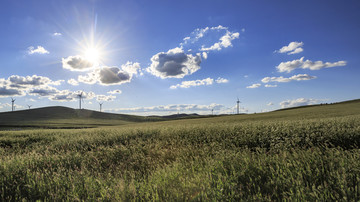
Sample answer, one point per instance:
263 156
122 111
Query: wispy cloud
299 77
67 95
255 85
105 98
225 41
307 64
188 84
293 48
298 102
270 86
38 50
173 108
115 92
57 34
43 91
199 82
221 80
8 105
73 82
223 35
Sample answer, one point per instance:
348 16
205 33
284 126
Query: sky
166 57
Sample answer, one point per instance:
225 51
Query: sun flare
92 55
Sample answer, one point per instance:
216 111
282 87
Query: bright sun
92 55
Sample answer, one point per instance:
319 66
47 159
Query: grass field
310 153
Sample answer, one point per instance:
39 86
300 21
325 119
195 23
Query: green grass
302 154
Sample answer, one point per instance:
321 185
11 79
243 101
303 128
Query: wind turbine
80 98
12 104
238 105
101 105
212 111
29 106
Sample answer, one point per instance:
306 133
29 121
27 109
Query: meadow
309 153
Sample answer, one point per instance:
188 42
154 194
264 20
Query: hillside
67 117
64 116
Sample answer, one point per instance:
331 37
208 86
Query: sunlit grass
304 157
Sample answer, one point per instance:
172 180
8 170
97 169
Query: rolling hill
64 117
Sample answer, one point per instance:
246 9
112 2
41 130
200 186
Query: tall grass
227 158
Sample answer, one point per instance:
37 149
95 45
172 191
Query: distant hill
64 117
51 115
177 116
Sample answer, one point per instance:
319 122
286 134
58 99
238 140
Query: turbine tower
29 106
212 111
101 105
80 98
12 104
238 105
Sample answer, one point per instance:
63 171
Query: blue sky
165 57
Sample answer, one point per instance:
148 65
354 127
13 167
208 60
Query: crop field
305 154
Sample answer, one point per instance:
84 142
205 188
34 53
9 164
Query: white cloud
16 81
115 92
8 92
224 42
174 64
57 34
221 80
89 78
270 86
186 38
203 82
292 48
73 82
302 77
200 33
174 108
16 106
111 75
188 84
63 96
131 68
38 50
299 77
255 85
42 87
270 104
105 97
298 102
66 95
307 64
204 55
18 85
43 91
77 63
